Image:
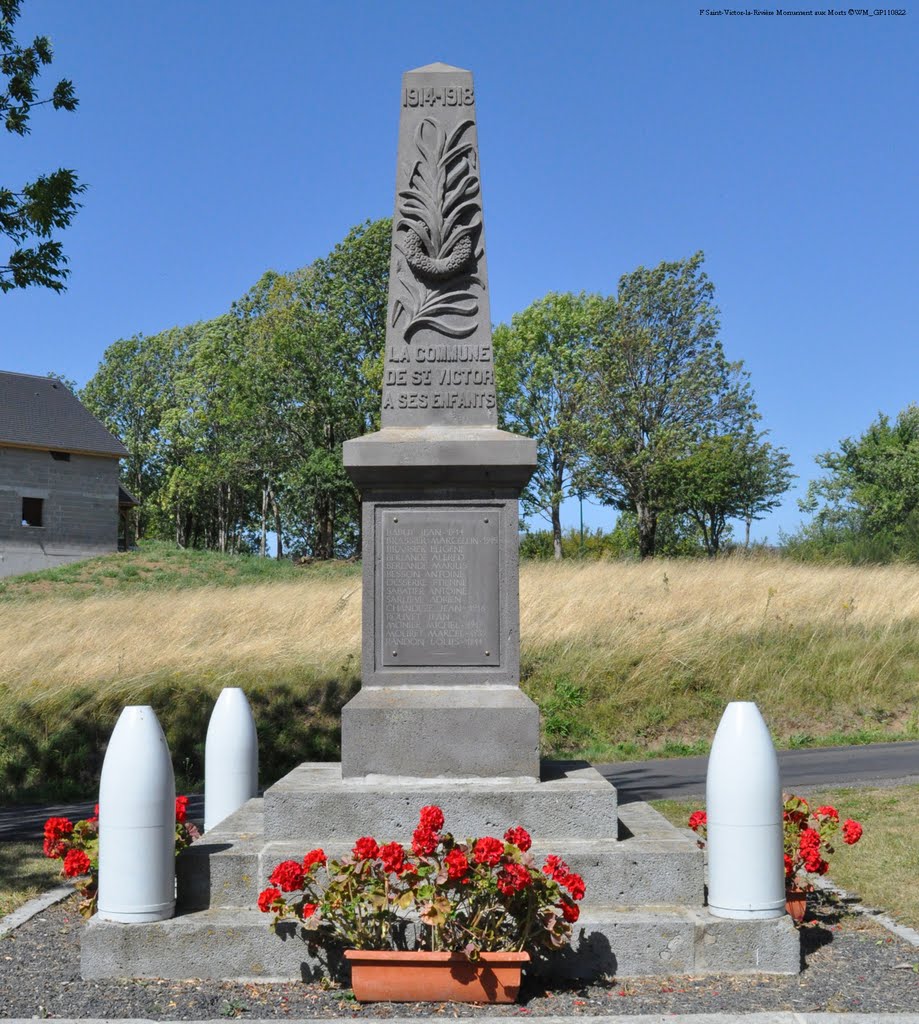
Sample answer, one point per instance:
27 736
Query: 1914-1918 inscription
439 583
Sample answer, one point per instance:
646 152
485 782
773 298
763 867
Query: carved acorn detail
437 230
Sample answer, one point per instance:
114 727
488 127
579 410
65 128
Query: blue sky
221 139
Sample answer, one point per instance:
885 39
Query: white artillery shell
744 807
230 757
137 822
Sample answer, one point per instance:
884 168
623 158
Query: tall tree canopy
729 476
234 426
31 212
540 361
658 385
871 489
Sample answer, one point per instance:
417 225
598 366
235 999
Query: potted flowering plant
463 914
808 841
76 845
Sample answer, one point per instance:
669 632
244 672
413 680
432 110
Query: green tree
540 360
729 476
658 383
30 214
131 392
210 431
315 340
871 489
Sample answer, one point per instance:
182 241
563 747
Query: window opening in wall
31 511
60 456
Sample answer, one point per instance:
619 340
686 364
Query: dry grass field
624 658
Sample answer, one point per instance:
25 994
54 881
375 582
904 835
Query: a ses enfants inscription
439 583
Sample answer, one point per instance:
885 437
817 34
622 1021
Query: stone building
60 499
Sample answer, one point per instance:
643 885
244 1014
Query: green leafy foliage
565 723
866 508
540 362
234 426
658 384
729 476
30 214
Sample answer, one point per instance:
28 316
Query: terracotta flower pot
796 904
388 976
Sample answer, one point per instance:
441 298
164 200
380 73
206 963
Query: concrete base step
652 862
613 941
314 802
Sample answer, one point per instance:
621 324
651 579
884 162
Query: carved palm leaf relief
437 233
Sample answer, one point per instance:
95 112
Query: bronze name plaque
438 587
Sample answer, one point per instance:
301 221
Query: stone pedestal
439 483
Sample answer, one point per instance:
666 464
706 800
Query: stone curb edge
854 904
34 906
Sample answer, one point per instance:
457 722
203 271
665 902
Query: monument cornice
440 455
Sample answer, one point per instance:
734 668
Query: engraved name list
440 587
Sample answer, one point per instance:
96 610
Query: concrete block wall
79 508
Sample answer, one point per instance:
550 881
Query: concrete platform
643 913
237 944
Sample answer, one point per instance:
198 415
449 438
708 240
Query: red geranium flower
431 818
512 878
851 832
570 911
488 850
314 857
366 848
789 866
555 868
181 808
288 875
54 848
266 897
519 837
55 828
424 841
827 812
697 819
76 863
809 842
574 884
457 864
393 857
309 909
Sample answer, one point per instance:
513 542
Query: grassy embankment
625 660
883 867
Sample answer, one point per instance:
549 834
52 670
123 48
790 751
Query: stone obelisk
439 482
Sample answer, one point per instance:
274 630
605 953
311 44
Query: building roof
40 412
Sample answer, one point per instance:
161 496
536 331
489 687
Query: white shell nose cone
744 808
230 757
137 822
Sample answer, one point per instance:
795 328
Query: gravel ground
851 965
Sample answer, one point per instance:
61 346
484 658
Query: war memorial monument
440 717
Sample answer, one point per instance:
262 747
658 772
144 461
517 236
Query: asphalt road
814 768
676 777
